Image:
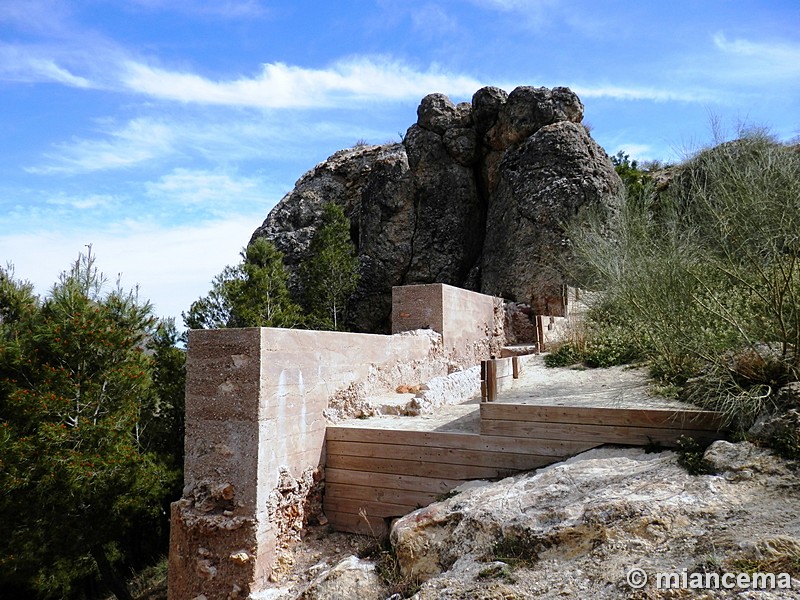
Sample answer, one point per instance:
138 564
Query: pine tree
75 478
250 294
330 274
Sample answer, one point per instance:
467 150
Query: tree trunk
109 576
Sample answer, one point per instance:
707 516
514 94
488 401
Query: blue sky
163 131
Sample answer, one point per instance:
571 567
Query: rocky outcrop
576 529
475 196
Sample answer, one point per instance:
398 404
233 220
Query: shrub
705 277
595 343
691 456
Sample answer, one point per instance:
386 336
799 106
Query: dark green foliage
599 343
497 570
787 443
163 410
330 275
566 355
691 456
634 178
251 294
82 481
517 549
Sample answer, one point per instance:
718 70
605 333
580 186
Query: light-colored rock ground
614 387
575 529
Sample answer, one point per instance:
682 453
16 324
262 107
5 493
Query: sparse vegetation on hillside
705 276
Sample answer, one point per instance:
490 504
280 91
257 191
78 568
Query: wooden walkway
384 468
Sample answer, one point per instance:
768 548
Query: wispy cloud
285 86
165 260
212 193
535 14
761 60
36 16
32 65
231 9
619 92
222 138
515 5
141 140
83 203
432 19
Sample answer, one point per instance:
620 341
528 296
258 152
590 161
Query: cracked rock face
475 196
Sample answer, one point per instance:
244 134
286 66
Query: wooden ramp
374 473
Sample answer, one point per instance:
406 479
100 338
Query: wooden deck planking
391 480
356 523
432 454
419 468
374 509
459 441
642 417
383 473
379 494
599 434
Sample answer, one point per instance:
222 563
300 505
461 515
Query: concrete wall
470 323
213 542
257 405
255 426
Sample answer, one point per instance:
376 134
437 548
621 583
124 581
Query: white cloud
638 152
40 16
432 19
285 86
232 9
516 5
618 92
92 201
761 60
172 266
49 70
141 140
222 137
19 63
212 192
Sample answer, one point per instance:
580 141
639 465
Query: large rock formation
475 196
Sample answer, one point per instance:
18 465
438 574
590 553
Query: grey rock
555 175
349 578
475 197
574 529
528 109
486 104
436 113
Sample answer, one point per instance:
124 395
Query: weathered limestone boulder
476 196
575 529
349 578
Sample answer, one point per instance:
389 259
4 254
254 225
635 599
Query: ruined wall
213 543
257 405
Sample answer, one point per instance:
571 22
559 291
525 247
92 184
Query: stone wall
257 405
